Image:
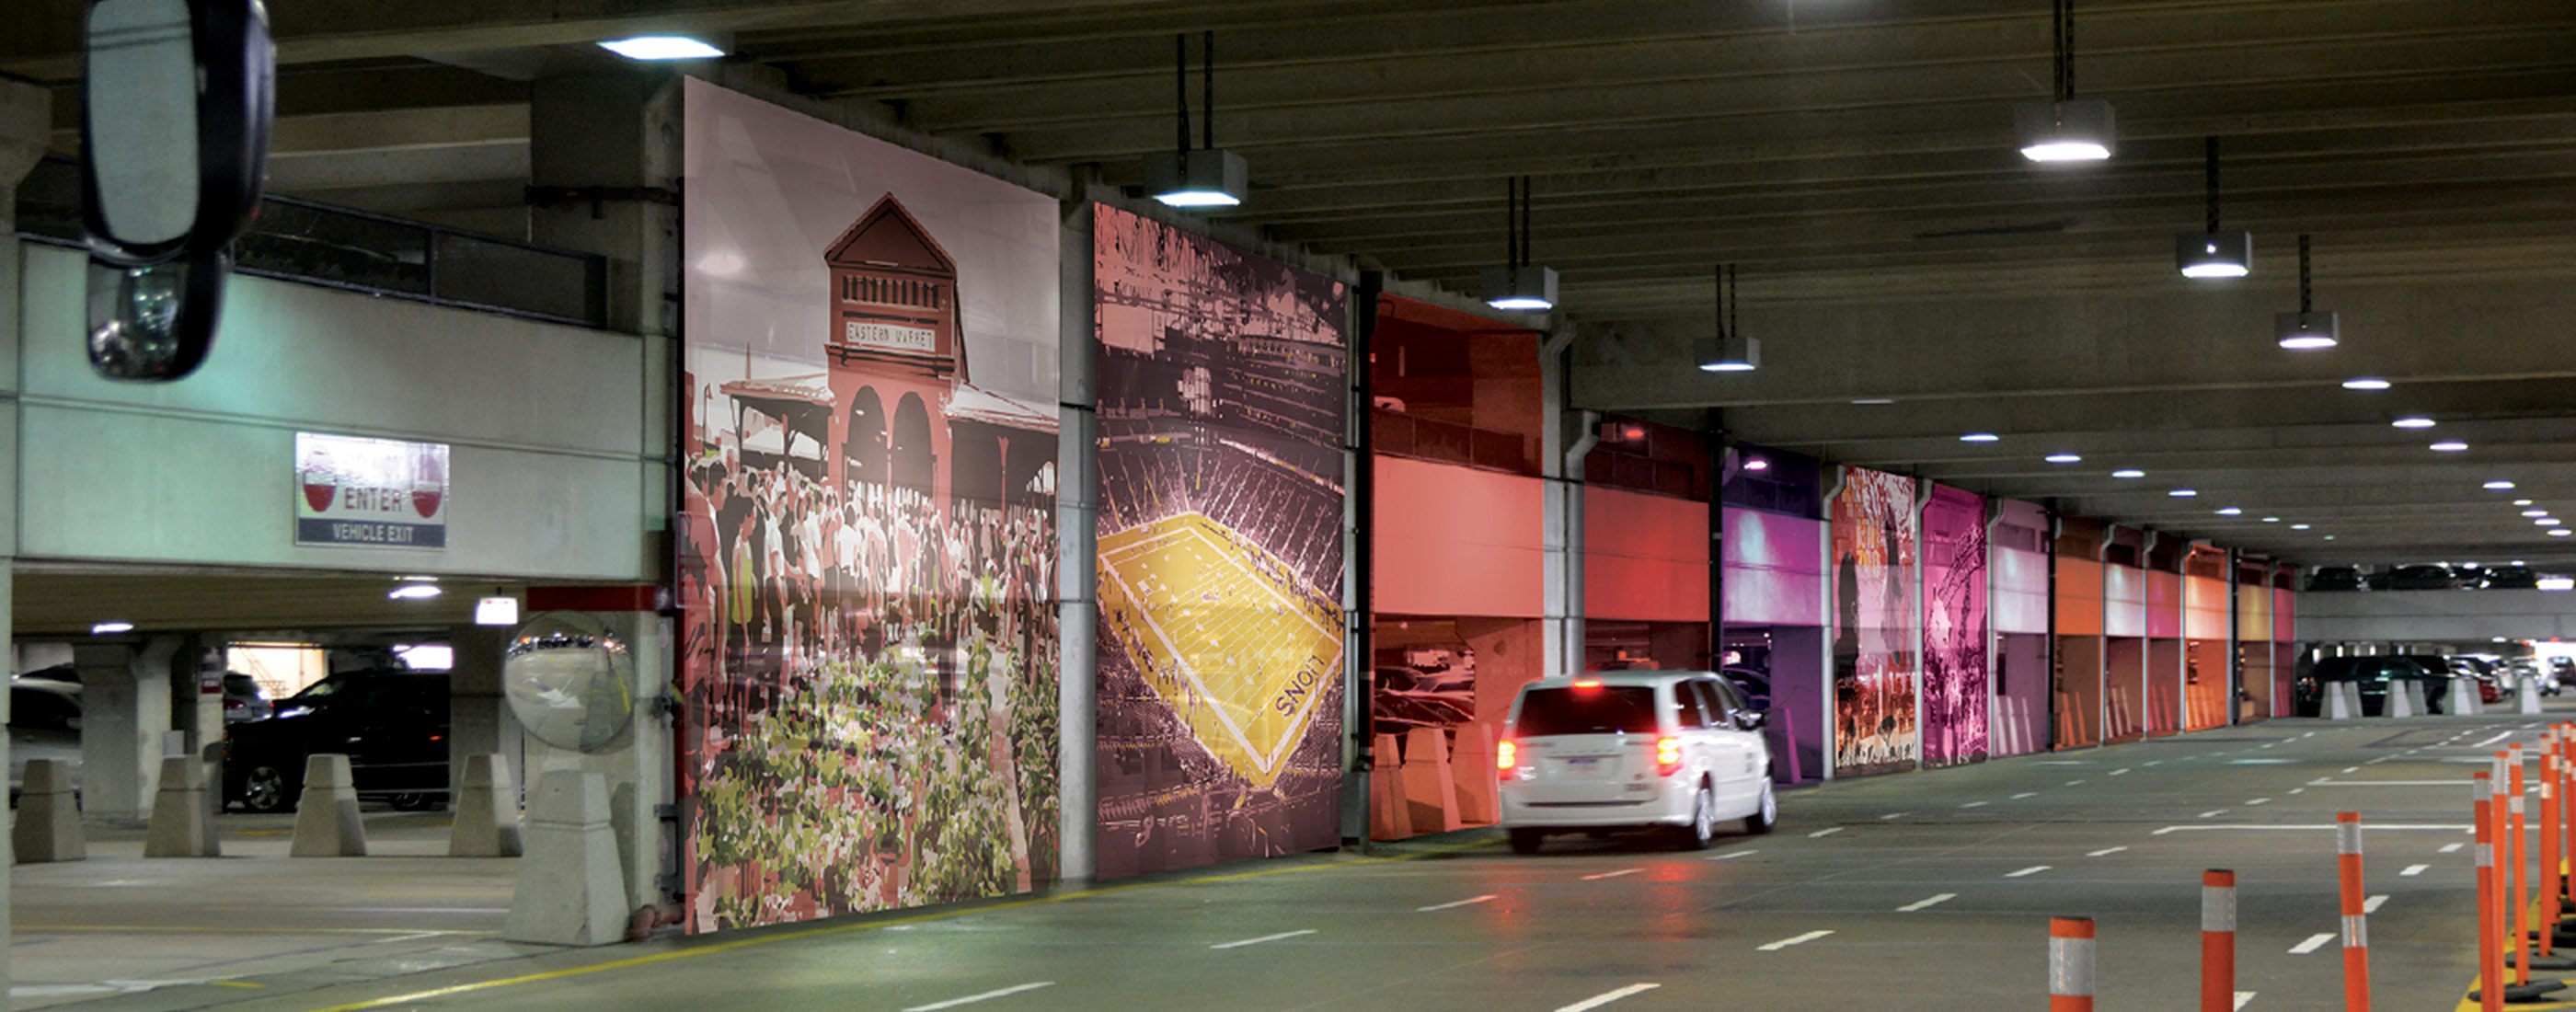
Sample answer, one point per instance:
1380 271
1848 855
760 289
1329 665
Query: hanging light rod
2214 254
1730 350
2063 129
1519 284
2309 330
1209 176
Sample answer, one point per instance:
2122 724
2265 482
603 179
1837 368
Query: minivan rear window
1602 710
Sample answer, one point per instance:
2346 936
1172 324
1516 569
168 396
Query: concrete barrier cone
49 826
1430 788
2526 697
2401 703
326 814
2463 699
487 810
572 888
1390 816
180 824
2343 700
1471 760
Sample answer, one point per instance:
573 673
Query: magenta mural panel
2018 548
1876 619
1775 569
1955 642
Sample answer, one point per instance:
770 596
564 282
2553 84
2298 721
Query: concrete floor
1456 922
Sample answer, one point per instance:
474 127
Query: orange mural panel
1455 540
2079 597
1645 557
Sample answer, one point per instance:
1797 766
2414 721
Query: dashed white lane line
1974 804
1893 815
1264 938
1732 855
2072 783
2491 741
2298 790
2413 870
2372 905
2260 801
2120 771
986 996
2152 762
2313 943
2025 794
2104 852
2032 870
2352 769
1932 900
1606 997
1791 940
1488 897
1827 831
2213 813
2242 997
2449 848
1613 874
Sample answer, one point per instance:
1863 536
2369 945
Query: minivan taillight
1506 757
1668 756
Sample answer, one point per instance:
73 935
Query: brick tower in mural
895 350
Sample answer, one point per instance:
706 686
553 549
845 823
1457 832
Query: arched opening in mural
864 447
911 450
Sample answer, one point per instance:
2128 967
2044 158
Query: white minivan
1633 749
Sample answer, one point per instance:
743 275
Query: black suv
2335 578
391 723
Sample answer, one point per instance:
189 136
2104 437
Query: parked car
2491 687
2421 578
44 723
391 723
2528 669
2332 578
2375 674
1673 750
2512 578
245 700
1753 685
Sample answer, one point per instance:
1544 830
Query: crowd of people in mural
871 689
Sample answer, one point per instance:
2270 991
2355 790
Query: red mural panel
1477 552
1645 557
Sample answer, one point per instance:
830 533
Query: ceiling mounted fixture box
1519 284
2063 128
1210 176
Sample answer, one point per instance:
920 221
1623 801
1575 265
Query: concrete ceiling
1853 156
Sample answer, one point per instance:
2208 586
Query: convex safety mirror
174 150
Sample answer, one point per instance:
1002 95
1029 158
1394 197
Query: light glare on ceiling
413 592
2184 493
111 628
2450 446
2128 473
662 47
1979 437
2499 485
2231 511
2413 422
2365 383
2063 458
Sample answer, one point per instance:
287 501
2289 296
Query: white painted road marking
1974 804
2493 740
1264 938
1893 815
2072 783
2025 794
1613 874
1606 997
2450 848
2352 769
2213 812
2313 943
1827 831
1936 898
986 996
2032 870
1453 905
2242 997
2260 801
1792 940
1732 855
2117 772
2413 870
2105 852
2372 905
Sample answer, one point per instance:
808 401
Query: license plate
1583 767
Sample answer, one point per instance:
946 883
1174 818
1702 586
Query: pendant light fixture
1210 176
1730 350
2214 254
1519 284
2063 129
2307 329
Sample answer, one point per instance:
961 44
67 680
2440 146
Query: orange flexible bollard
2550 842
2070 964
2218 940
2520 896
2490 951
2356 927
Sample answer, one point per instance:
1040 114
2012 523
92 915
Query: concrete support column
125 713
636 765
1077 509
1561 465
26 127
478 718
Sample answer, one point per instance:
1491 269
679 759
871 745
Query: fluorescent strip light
662 47
2063 458
2365 383
2128 473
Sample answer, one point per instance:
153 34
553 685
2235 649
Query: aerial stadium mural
867 547
1222 390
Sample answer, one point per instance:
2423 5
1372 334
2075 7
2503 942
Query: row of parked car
2425 577
2495 678
392 723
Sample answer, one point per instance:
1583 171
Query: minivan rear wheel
1702 830
1767 813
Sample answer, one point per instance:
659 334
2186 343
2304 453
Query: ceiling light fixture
1210 176
2307 329
413 592
1980 437
2365 383
2522 502
660 48
1757 464
2063 458
2271 520
1730 350
2545 522
2298 527
2183 493
2499 485
1873 401
2214 254
2559 533
2450 446
1518 284
2128 473
2063 129
2231 511
499 609
111 628
2413 422
2535 513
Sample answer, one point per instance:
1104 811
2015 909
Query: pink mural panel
2164 604
1775 569
1955 641
1875 614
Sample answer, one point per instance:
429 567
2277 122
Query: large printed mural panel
868 635
1223 385
1875 616
1955 639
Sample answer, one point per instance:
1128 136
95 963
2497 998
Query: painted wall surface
2164 604
2019 543
2285 615
2079 596
2204 608
869 641
1775 569
2021 693
2124 601
1477 553
551 480
1645 557
2253 613
1875 614
1222 382
2206 677
1955 638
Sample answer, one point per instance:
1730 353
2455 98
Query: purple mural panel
1775 569
1954 628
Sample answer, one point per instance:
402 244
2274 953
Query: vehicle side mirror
174 150
1753 720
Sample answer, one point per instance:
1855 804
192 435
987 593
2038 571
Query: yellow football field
1231 649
